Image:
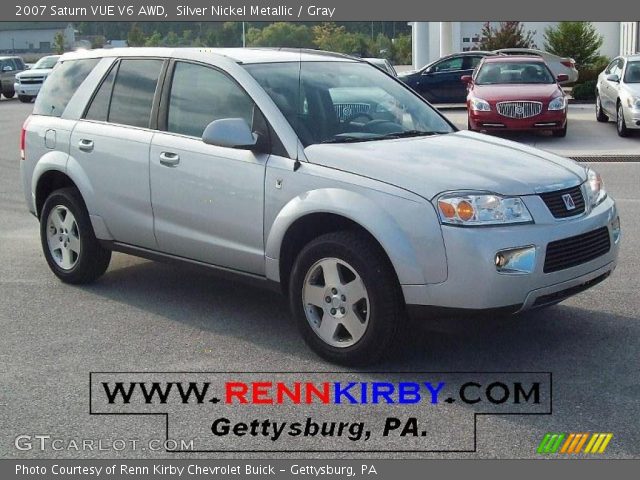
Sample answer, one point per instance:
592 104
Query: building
33 37
629 38
431 40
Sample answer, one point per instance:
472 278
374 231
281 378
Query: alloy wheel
336 302
63 237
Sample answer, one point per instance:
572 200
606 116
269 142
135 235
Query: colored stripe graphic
572 443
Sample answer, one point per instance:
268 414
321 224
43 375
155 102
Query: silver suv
314 172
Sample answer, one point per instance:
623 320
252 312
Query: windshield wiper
349 139
410 133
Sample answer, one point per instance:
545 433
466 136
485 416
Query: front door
208 201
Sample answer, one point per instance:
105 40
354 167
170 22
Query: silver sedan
618 94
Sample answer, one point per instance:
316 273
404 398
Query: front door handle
85 145
169 159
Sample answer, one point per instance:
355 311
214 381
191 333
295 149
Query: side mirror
230 133
612 77
562 77
466 79
7 68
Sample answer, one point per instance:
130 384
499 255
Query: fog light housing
616 232
521 260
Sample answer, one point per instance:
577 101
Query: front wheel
25 98
346 299
70 246
561 133
621 125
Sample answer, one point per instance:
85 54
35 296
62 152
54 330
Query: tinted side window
99 108
200 95
133 92
449 65
61 85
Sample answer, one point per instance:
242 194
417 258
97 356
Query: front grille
350 110
31 80
557 205
519 109
577 250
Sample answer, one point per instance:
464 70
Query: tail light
23 138
568 62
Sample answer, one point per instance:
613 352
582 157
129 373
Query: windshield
632 74
495 73
46 62
338 102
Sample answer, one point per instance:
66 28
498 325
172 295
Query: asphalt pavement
149 316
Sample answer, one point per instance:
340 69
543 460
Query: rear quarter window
63 82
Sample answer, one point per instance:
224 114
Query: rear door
208 201
112 142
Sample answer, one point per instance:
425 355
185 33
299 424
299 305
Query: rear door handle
169 159
85 145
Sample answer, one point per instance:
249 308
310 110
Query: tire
621 125
600 115
69 244
365 309
9 94
560 133
25 98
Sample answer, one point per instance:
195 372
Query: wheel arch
322 211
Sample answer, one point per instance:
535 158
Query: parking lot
150 316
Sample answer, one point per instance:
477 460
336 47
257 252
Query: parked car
558 65
9 66
439 82
516 93
28 83
618 94
383 64
236 160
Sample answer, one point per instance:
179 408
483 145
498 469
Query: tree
578 40
334 38
58 43
402 50
154 40
281 34
136 37
506 35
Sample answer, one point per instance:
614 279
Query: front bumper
493 121
631 117
473 282
27 90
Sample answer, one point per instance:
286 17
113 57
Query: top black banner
319 10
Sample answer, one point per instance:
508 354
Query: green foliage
281 34
505 35
591 72
58 43
585 90
578 40
136 37
154 40
402 50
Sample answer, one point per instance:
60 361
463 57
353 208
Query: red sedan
516 93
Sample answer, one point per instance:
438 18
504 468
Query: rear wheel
621 125
70 246
9 93
600 115
345 298
25 98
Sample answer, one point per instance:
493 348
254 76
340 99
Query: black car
439 82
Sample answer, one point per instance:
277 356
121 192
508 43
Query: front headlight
633 102
479 105
595 188
478 209
558 103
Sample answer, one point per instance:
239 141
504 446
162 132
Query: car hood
463 160
633 88
500 93
38 72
